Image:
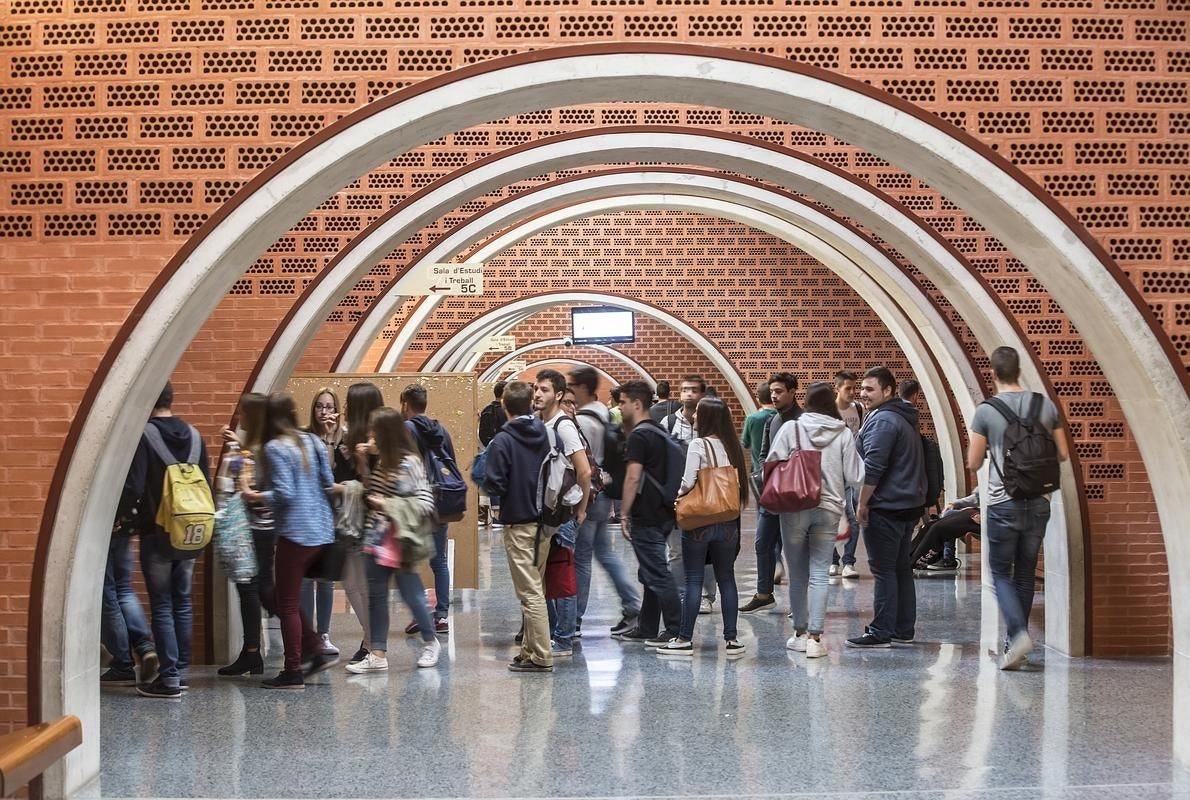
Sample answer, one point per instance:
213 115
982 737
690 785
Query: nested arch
1137 358
496 367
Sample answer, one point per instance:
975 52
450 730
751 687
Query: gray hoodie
841 464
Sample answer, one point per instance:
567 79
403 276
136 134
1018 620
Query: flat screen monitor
602 325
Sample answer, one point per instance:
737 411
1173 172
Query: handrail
28 752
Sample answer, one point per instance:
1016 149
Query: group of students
877 474
320 500
353 485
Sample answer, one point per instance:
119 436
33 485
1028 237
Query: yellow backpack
187 509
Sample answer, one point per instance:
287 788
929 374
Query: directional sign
516 366
497 344
441 279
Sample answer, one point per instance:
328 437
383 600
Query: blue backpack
450 491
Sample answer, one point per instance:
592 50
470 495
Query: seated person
934 545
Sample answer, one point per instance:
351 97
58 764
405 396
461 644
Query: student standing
353 464
513 464
646 518
564 437
716 445
318 597
168 573
399 473
429 435
298 477
852 413
257 593
890 504
809 535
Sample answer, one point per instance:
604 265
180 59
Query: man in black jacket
513 464
169 573
890 504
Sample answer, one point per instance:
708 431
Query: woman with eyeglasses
318 597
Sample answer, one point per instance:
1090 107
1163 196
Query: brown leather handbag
794 484
714 498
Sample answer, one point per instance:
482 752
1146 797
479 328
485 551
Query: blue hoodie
514 459
894 461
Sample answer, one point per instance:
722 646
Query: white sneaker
370 663
328 649
849 571
833 571
706 606
429 654
1018 652
814 648
797 642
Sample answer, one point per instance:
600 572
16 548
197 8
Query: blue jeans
660 601
1015 529
325 603
888 541
594 542
677 568
168 581
123 627
721 542
412 592
441 570
850 498
809 543
768 549
562 611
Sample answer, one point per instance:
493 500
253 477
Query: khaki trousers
526 563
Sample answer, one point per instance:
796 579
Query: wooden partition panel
453 401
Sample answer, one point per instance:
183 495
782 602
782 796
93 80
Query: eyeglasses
324 407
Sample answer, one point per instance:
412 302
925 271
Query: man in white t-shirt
564 437
594 542
852 412
1014 526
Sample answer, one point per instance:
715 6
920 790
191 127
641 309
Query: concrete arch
927 341
1137 359
494 369
457 351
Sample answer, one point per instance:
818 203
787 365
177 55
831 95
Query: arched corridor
943 313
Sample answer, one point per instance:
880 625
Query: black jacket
770 432
893 458
142 487
513 462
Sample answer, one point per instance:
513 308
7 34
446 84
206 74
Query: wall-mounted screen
602 325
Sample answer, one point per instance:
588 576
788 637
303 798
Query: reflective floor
933 720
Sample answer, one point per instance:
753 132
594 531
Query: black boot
249 662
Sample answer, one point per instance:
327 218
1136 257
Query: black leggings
258 592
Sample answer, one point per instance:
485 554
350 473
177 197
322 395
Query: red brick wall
124 123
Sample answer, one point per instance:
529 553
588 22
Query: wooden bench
28 752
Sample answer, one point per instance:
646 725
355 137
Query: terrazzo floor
933 720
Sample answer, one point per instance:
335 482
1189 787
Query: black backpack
935 470
1031 467
490 421
675 468
614 463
